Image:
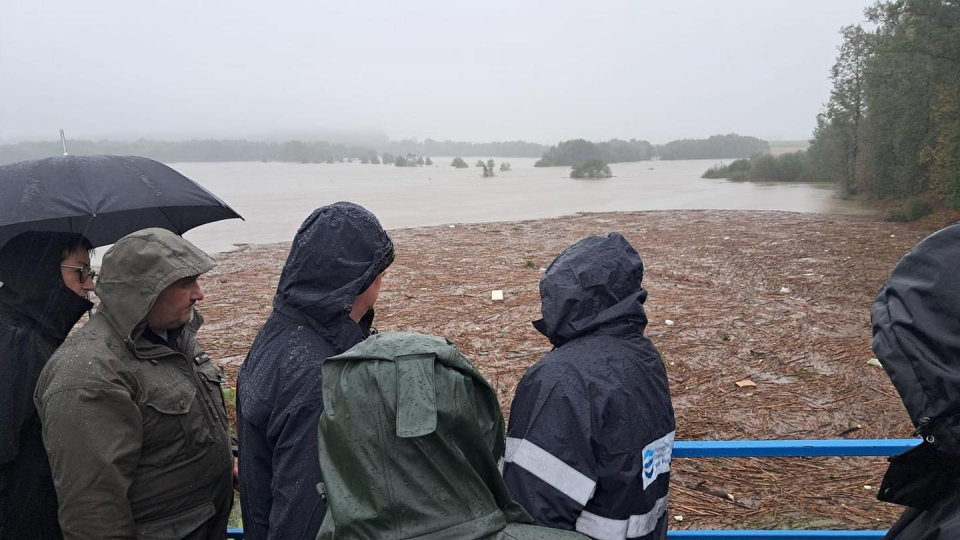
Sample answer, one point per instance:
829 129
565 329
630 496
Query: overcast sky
475 71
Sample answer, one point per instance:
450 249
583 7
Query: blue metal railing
766 449
794 448
776 535
788 448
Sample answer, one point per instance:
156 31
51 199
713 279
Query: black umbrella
102 197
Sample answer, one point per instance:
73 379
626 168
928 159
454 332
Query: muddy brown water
274 198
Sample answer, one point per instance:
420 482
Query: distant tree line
567 153
715 147
891 128
243 150
430 147
197 150
579 151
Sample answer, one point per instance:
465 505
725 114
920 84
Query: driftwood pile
778 302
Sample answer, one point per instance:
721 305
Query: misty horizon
538 72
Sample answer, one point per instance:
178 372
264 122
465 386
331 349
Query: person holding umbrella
99 199
133 413
46 277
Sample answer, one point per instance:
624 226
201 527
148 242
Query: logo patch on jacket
656 458
201 359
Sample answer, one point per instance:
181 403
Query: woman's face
75 270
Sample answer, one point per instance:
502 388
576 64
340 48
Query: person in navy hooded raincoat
916 337
323 307
591 425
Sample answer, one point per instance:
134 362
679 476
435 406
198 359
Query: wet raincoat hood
409 437
37 312
137 269
591 424
593 286
136 427
33 284
337 254
916 336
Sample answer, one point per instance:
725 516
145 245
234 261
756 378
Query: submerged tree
594 168
459 163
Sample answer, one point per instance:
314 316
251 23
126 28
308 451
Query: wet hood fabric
916 336
33 284
137 269
36 312
593 286
337 254
409 441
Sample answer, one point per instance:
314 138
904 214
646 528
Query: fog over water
542 71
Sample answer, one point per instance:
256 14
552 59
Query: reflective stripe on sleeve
636 526
550 469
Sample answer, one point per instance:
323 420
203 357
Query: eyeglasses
85 271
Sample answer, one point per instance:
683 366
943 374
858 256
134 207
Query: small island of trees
792 167
594 168
579 151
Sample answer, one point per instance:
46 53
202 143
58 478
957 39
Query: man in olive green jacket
132 409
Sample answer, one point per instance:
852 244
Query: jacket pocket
170 425
178 526
212 377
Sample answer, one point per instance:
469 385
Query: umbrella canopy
102 197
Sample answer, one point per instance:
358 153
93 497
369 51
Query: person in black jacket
591 425
916 337
323 306
45 279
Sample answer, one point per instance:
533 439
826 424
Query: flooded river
274 198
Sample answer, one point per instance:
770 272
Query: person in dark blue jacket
323 306
916 337
591 425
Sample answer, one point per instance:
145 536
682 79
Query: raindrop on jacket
916 337
337 253
591 425
36 312
136 430
410 436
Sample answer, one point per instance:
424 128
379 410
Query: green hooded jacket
409 439
137 432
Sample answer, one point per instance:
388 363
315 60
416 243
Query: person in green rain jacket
409 441
132 409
